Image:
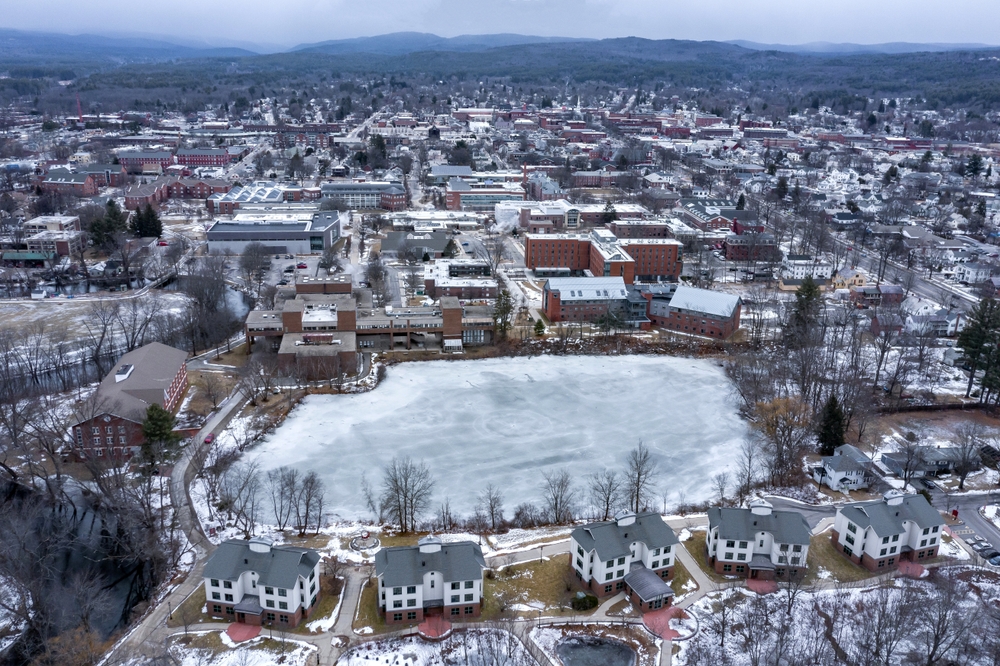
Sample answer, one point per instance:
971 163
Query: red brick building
203 157
603 254
73 184
105 175
694 311
134 161
152 374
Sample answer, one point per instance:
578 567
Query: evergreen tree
539 328
503 314
146 223
741 203
979 335
805 311
832 425
781 189
610 214
158 434
102 230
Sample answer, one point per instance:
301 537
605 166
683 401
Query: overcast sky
289 22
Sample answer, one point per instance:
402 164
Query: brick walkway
434 628
659 622
240 632
762 586
911 569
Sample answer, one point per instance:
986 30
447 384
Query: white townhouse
430 578
634 552
256 582
757 542
879 533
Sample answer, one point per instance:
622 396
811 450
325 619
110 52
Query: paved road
152 629
968 512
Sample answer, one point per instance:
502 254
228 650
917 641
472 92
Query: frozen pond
507 421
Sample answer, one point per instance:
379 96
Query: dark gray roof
647 583
886 519
761 562
406 565
612 540
743 525
250 603
281 566
153 369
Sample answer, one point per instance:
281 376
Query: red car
210 438
163 243
303 265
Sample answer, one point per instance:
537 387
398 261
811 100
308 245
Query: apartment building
879 533
757 542
430 578
634 552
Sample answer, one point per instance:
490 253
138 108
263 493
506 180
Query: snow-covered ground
509 421
469 648
296 653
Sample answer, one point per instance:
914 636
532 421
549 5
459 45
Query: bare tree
559 496
968 441
748 468
605 492
283 488
491 504
721 483
214 386
406 492
309 503
640 477
240 495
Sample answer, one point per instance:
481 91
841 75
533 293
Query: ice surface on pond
508 421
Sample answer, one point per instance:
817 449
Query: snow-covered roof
702 300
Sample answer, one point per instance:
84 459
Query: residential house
152 374
256 582
973 273
430 578
757 542
879 533
924 461
849 279
634 552
847 469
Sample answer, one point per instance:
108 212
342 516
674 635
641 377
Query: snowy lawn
508 421
471 648
215 649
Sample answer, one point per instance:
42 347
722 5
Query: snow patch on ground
249 653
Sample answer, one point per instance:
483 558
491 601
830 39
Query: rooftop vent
123 372
429 544
893 498
625 518
260 545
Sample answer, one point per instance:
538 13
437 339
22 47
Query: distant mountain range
830 48
38 48
400 43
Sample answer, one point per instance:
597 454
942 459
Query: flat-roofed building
305 232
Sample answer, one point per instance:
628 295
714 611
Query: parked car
930 484
989 553
209 438
282 282
995 561
302 264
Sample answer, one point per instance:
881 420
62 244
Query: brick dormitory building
151 374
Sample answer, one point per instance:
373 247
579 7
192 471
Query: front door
241 617
753 573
